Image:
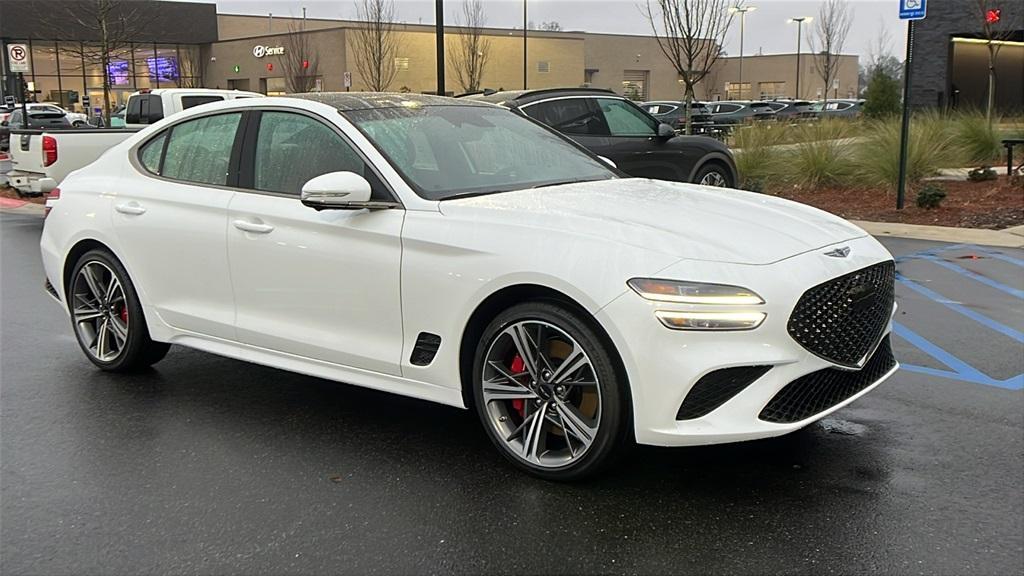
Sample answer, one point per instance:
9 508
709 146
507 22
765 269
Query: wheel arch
514 294
716 157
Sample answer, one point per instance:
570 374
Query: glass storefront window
44 59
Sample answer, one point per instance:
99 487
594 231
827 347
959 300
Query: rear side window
152 152
726 108
200 150
292 149
190 101
569 115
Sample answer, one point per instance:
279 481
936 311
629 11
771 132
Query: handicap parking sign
913 9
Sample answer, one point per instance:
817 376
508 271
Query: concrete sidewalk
1008 238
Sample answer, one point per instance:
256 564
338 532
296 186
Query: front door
318 284
634 143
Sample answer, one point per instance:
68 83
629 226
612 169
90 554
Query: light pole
524 45
799 24
439 47
742 11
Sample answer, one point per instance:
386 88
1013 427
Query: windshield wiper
563 182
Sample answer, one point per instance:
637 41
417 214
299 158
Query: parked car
69 152
788 110
147 106
456 252
674 114
77 119
732 113
844 108
614 127
37 119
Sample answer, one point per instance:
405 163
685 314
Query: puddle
844 427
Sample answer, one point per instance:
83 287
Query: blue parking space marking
959 369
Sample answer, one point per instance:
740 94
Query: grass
758 156
822 158
932 145
980 140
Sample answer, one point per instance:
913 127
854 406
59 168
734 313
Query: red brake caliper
517 367
124 314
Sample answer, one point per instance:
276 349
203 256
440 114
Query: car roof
512 98
348 101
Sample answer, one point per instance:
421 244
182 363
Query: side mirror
47 185
4 123
340 191
608 161
665 131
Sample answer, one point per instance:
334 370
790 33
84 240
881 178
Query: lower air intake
716 388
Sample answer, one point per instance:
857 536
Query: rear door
171 217
578 118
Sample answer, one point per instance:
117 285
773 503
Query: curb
1009 238
27 209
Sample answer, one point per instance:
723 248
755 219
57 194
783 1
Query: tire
118 317
717 172
590 441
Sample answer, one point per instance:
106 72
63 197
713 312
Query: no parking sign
17 55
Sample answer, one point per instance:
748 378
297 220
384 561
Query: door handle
132 208
253 227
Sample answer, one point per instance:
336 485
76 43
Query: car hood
683 220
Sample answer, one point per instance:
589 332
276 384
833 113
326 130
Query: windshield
454 151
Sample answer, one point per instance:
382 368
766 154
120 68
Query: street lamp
524 45
799 24
742 11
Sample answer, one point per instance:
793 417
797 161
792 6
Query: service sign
913 9
17 55
260 51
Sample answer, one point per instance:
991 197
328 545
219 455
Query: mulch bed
995 204
8 192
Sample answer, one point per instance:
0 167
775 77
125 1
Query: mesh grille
842 319
821 390
716 388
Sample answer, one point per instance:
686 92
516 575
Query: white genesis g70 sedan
457 252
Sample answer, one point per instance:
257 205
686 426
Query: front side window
292 149
200 150
450 151
625 119
570 116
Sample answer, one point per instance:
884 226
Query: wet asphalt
206 465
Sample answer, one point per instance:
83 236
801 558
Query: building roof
347 101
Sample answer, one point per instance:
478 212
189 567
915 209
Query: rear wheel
547 392
107 317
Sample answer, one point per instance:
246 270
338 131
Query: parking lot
212 465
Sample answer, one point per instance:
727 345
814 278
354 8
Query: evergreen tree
882 95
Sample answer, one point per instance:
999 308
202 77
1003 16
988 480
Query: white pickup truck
39 154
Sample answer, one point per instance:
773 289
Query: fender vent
717 388
425 349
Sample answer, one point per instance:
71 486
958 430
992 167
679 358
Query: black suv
674 114
612 126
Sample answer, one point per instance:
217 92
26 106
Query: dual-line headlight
700 293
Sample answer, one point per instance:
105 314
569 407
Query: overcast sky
766 27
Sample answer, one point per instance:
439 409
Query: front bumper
663 365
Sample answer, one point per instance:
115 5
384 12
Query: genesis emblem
842 252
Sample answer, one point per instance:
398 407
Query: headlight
710 320
692 292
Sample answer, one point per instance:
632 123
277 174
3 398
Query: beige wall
232 26
779 68
329 46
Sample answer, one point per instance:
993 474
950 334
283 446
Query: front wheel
714 174
107 316
548 393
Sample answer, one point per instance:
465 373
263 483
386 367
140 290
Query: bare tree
114 24
690 33
376 43
828 39
995 28
300 61
469 57
192 66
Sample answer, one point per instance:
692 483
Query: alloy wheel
541 393
713 179
100 311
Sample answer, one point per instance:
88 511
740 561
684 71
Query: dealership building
183 44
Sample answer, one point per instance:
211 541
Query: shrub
883 95
930 196
930 147
822 157
755 156
980 140
981 174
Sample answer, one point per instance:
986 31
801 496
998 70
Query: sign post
348 81
17 57
912 11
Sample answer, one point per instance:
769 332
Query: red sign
992 16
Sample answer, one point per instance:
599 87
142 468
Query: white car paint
343 294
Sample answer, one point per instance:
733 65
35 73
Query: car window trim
247 164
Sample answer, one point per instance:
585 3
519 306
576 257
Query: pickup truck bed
74 149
